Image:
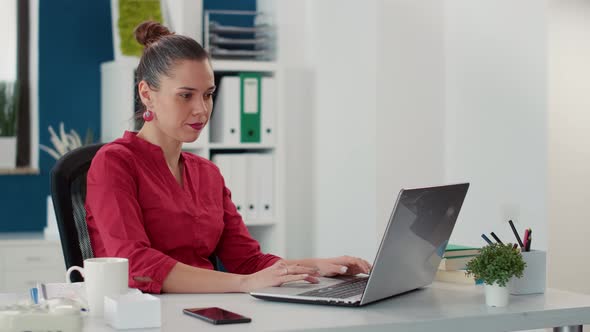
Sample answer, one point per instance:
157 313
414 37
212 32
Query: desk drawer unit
23 280
24 262
40 255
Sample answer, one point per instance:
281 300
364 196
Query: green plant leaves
497 263
9 99
131 13
65 142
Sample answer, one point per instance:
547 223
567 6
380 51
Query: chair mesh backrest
78 192
68 190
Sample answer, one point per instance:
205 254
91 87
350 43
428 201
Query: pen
42 291
515 233
526 237
496 238
483 236
529 240
528 244
34 295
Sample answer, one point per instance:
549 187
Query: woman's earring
148 116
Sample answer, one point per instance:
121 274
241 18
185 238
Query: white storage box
130 311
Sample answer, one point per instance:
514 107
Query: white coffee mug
102 276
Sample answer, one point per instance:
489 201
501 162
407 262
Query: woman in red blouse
168 211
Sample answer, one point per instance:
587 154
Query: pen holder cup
534 276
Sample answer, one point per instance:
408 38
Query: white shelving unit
240 65
118 109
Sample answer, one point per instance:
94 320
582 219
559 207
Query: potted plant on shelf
495 265
8 112
63 143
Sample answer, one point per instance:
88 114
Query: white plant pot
51 231
8 152
496 296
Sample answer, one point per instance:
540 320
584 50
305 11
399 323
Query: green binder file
250 93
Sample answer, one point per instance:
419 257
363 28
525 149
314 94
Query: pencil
483 236
516 233
496 238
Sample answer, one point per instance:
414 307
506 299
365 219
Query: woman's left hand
343 265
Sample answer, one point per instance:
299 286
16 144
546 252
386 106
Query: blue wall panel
74 38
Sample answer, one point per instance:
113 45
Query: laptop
411 249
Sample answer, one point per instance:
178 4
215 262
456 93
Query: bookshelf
247 66
253 146
118 106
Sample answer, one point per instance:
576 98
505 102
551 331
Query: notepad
455 263
455 250
456 277
74 291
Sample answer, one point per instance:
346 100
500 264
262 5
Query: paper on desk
74 291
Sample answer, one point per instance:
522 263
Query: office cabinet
26 259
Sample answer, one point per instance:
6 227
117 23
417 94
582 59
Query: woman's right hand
278 274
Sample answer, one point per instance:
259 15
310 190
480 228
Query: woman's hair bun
149 32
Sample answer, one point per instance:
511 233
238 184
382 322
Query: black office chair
68 192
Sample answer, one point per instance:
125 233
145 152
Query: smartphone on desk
215 315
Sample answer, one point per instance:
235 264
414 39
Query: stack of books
452 266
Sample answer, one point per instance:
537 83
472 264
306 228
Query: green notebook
455 250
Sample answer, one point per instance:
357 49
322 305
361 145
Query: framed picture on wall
181 16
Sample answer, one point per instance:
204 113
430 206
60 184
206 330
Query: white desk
440 307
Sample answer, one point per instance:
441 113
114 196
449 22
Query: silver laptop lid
414 241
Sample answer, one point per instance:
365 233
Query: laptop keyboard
340 291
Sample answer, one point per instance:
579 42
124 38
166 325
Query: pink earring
148 116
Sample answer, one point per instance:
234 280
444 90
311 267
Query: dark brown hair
162 49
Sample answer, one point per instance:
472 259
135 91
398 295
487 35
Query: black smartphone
215 315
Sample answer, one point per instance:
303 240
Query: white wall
496 115
297 97
410 100
410 93
379 115
323 74
569 139
344 51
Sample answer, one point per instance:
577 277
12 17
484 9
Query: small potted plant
495 265
63 142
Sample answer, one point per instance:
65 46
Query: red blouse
136 209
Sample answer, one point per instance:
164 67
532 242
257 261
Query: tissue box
129 311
